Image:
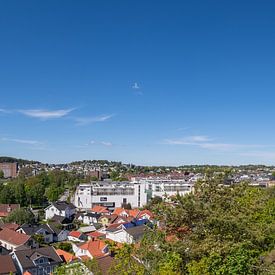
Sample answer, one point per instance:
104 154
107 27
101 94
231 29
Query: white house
125 235
92 249
60 208
15 241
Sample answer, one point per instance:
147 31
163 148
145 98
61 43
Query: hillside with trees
216 230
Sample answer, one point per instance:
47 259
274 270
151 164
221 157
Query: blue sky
147 82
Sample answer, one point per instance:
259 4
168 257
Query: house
145 214
91 249
98 209
11 226
63 222
60 208
91 218
59 233
77 236
38 229
7 266
87 229
106 220
126 212
6 209
66 256
41 260
14 241
125 233
95 235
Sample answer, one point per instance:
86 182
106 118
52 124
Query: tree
1 174
125 262
20 216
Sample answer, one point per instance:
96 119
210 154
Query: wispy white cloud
94 142
106 143
208 143
22 141
80 121
46 114
5 111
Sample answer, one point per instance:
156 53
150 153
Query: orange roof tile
75 234
94 247
100 209
65 256
27 273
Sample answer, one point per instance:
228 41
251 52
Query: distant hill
19 161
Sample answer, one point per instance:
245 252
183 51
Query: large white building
137 192
110 194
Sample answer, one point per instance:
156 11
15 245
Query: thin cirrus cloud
94 142
208 143
46 114
22 141
80 121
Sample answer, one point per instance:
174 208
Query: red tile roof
65 256
6 209
129 212
144 212
13 237
11 226
100 209
75 234
27 273
94 247
95 234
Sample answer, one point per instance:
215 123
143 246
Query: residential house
6 209
11 226
38 229
66 256
91 249
125 233
14 241
7 266
37 261
60 208
98 209
60 234
77 236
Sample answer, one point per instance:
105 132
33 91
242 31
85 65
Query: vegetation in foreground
216 230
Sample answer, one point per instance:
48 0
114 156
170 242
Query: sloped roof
94 247
100 209
136 232
75 234
144 212
7 265
13 237
6 209
62 205
11 226
24 256
31 229
65 256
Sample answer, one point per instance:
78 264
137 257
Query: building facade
10 169
110 194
